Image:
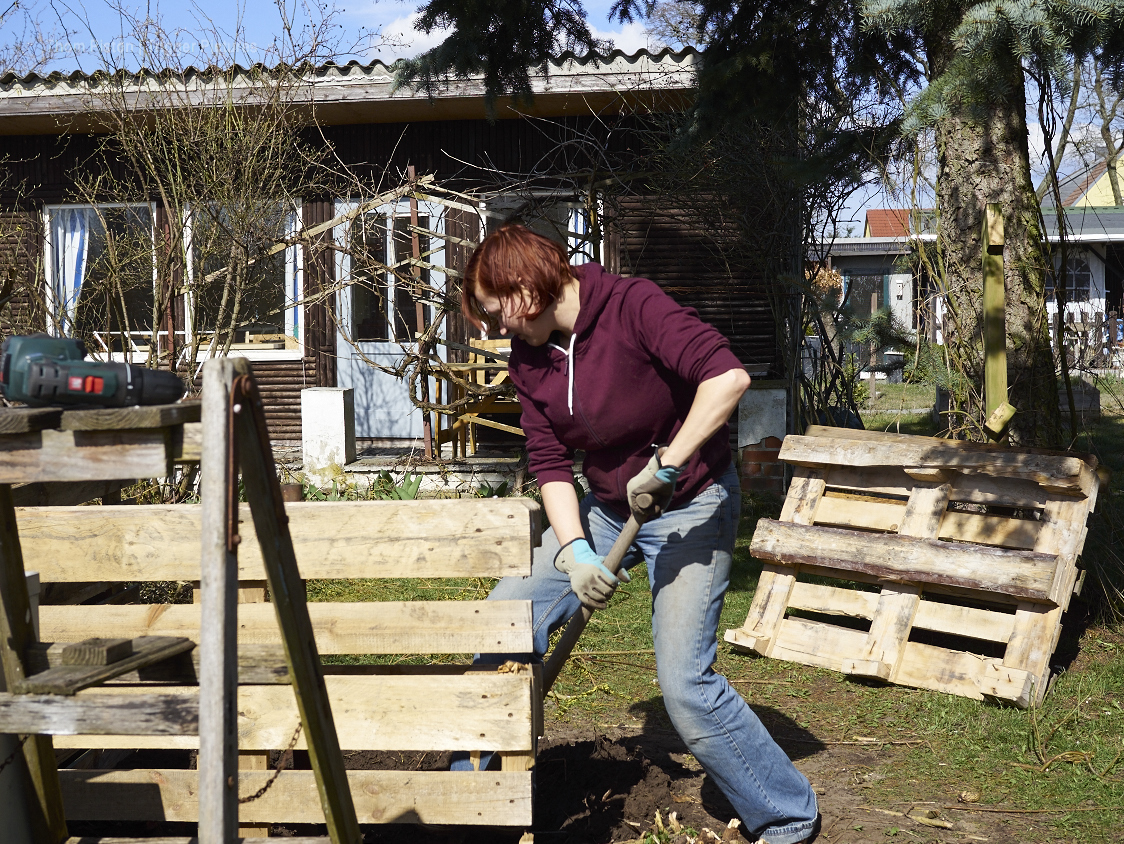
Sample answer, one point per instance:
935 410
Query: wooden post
873 348
286 588
35 767
995 327
423 349
218 635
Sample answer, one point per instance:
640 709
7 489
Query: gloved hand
659 482
591 581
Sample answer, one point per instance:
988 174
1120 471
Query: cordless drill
41 370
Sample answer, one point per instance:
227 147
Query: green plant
486 490
385 489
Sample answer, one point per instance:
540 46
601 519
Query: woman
615 368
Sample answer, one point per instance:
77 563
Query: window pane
236 283
369 289
1078 282
405 304
116 289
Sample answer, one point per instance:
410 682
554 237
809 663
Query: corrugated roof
329 69
351 93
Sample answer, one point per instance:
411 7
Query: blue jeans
690 552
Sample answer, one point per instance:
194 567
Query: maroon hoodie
625 385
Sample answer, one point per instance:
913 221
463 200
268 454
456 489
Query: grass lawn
1059 767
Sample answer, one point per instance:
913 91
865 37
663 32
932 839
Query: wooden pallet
889 545
386 708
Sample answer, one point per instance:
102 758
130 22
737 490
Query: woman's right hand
591 581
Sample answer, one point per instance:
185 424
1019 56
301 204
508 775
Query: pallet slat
501 798
1025 574
382 627
430 712
368 539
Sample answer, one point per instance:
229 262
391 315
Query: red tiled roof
887 222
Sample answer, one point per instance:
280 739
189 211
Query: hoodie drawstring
569 371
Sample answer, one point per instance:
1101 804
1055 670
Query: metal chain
276 771
12 756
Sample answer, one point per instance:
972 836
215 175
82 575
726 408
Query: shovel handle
552 666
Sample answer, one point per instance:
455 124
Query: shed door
376 314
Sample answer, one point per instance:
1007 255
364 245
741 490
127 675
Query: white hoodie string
569 370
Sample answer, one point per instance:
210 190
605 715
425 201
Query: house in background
880 261
321 330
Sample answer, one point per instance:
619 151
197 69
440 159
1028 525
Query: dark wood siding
319 313
280 383
21 273
656 243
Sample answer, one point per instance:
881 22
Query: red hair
513 260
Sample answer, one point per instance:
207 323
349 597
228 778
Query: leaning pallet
929 563
381 708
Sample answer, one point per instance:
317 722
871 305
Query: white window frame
58 322
294 316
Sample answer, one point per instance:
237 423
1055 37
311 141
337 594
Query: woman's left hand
658 481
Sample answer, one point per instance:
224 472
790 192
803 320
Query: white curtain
70 235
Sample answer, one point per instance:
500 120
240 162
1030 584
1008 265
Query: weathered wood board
471 711
977 542
378 627
499 798
370 539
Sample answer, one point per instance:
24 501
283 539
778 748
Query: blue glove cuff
584 555
669 474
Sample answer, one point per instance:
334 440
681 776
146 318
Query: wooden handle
552 666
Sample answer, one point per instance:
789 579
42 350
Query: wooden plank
1033 639
84 455
770 599
369 539
931 615
187 442
218 635
33 774
881 653
1025 574
383 627
257 665
155 717
831 600
1060 471
97 651
430 797
866 514
974 488
961 673
816 643
804 494
137 416
998 531
479 710
68 494
22 420
287 589
70 679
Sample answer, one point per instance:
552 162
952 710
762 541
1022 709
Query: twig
767 682
1035 811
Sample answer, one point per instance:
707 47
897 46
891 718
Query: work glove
657 481
591 581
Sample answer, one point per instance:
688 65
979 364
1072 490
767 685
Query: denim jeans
689 553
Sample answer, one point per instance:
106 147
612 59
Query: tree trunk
982 158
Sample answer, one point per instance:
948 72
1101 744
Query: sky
94 25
